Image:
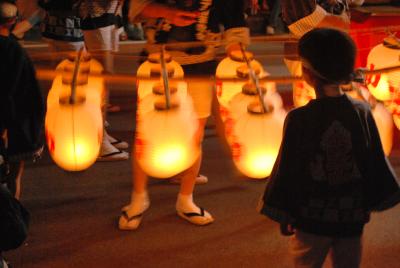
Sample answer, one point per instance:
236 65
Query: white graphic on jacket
334 162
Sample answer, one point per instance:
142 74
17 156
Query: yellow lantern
91 87
380 113
384 123
234 66
396 114
74 125
238 104
74 133
146 104
382 86
152 68
302 92
256 140
164 144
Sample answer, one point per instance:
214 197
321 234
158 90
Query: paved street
74 215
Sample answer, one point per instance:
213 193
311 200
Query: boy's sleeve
276 200
383 187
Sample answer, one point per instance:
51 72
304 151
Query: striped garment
302 16
99 13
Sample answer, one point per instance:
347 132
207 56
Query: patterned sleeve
302 16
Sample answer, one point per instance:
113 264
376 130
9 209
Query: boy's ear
308 76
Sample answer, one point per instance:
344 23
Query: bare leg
14 178
132 213
139 178
188 178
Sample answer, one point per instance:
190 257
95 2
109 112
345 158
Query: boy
331 170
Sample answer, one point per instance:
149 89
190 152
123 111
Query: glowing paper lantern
381 114
152 68
382 86
146 104
74 126
234 66
384 122
74 133
164 142
302 92
256 140
238 104
92 89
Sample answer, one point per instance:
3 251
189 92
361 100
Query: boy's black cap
330 53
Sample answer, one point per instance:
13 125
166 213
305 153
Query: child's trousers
309 250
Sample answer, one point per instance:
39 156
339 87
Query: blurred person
274 16
133 31
21 129
183 21
303 16
61 25
331 171
101 25
21 103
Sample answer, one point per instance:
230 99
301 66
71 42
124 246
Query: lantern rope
49 74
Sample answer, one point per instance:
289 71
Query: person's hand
181 18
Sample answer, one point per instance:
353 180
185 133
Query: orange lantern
91 87
384 123
165 143
382 86
152 68
74 133
396 115
234 66
302 92
382 116
74 125
146 103
165 138
255 140
239 103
